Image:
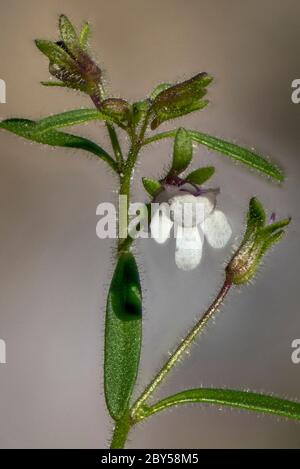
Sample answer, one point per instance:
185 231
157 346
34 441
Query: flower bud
117 109
180 99
69 61
258 238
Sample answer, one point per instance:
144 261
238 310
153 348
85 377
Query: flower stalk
184 345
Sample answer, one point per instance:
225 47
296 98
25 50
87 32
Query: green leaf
68 119
243 155
248 157
182 152
27 129
201 175
84 36
68 33
123 334
151 186
226 397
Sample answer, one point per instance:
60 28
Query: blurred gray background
55 271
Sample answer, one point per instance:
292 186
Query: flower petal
160 226
188 210
217 229
188 247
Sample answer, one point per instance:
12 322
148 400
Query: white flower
194 217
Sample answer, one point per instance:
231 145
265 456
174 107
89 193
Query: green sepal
68 34
182 151
151 186
84 36
139 110
201 175
57 55
159 88
179 100
164 115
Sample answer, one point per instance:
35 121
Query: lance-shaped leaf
201 175
248 157
123 333
68 119
151 186
182 152
237 153
180 99
27 129
230 398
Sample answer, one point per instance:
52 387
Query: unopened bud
258 238
180 99
117 109
69 61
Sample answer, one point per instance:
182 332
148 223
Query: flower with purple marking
192 212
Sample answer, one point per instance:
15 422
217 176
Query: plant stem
126 176
180 350
115 144
112 133
121 431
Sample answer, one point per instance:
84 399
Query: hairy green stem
111 131
126 177
121 431
115 144
180 350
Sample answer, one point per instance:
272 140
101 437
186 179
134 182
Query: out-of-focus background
54 271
